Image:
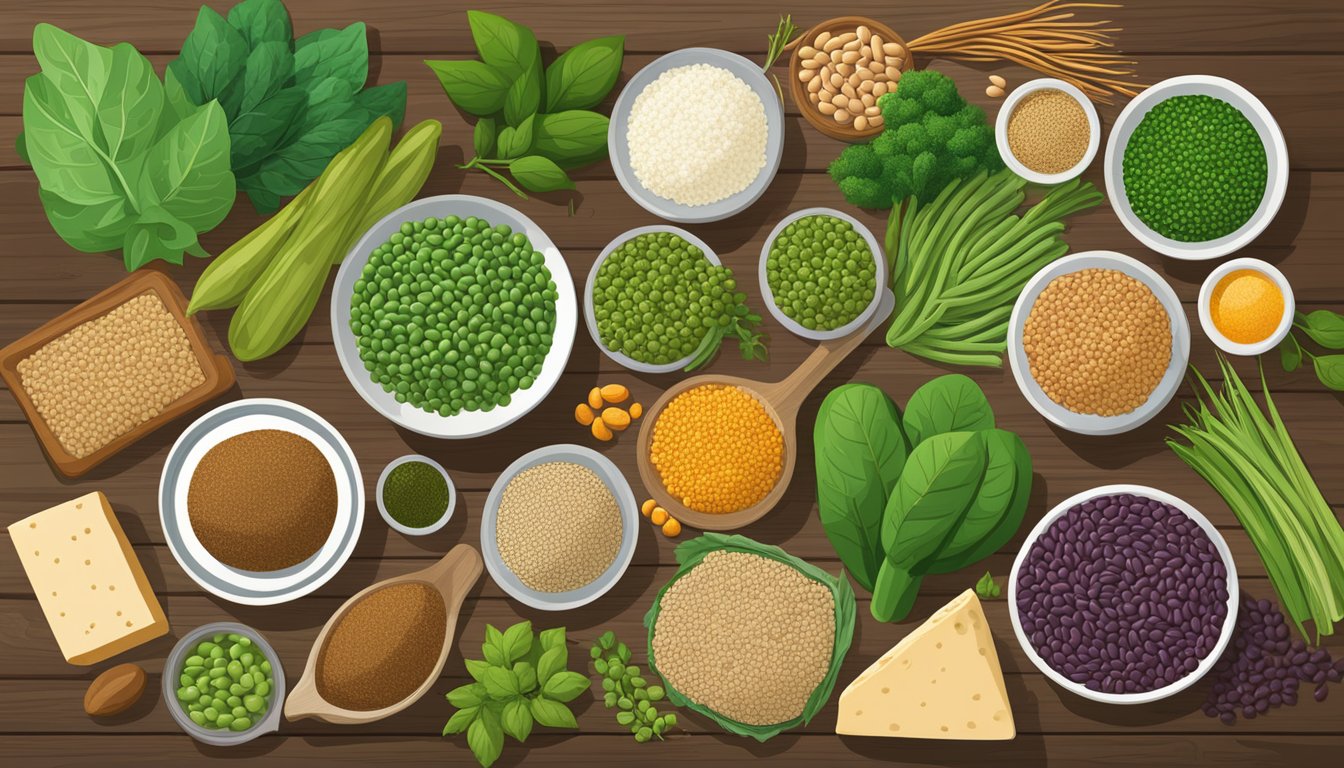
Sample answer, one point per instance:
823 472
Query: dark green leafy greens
291 105
522 680
1326 329
120 164
951 403
535 121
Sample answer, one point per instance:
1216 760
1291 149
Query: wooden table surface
1290 54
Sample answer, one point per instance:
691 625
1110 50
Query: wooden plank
1185 26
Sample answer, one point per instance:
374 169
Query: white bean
877 49
825 95
832 44
999 81
815 98
837 79
822 57
875 121
868 100
806 75
893 73
821 39
866 52
849 91
850 57
842 117
994 92
879 89
807 52
837 56
852 45
845 69
865 34
826 108
814 85
867 85
840 100
893 49
872 111
861 123
811 64
865 73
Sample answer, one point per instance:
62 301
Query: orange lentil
717 449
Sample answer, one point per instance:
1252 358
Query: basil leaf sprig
523 680
535 122
1326 329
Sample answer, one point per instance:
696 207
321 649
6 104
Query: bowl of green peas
225 684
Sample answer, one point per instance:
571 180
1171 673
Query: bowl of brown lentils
1098 343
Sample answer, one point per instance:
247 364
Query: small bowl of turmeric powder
1246 307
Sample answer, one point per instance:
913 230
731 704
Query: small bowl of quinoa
559 527
1098 343
1047 131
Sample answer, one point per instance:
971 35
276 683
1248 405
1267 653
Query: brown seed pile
559 526
102 379
263 500
1048 131
383 648
1098 341
746 636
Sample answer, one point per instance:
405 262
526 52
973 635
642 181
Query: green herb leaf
1330 370
472 86
469 695
262 21
1324 327
526 675
607 639
524 95
552 661
483 137
156 234
485 736
986 588
461 720
552 714
500 683
516 141
507 47
268 67
255 134
476 668
517 719
1000 502
539 174
565 686
552 638
572 138
493 647
517 641
339 53
582 76
950 403
212 57
1290 353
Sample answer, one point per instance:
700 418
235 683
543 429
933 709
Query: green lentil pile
1195 169
454 314
821 272
658 299
226 683
415 494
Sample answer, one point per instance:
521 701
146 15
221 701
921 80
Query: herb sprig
778 42
1326 328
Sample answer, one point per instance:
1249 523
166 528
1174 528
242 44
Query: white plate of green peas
224 684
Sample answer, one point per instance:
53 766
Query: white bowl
1206 315
750 73
1205 664
1276 157
466 423
769 295
1006 111
620 358
432 527
630 520
256 587
1086 423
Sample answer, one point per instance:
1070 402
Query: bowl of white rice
697 135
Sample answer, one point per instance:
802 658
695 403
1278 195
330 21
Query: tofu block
942 681
87 579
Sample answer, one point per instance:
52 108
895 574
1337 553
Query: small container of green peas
224 684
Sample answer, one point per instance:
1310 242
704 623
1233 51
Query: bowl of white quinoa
697 135
559 527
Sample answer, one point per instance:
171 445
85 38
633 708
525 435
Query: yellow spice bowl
1206 309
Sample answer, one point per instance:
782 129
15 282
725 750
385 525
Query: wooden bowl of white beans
839 68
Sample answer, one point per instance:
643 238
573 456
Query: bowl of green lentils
1196 167
819 273
454 316
224 684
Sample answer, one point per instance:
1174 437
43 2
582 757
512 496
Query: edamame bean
226 683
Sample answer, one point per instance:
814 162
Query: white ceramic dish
750 73
1276 156
254 587
1229 621
591 321
768 294
432 527
467 423
1091 424
630 521
1006 112
270 721
1205 307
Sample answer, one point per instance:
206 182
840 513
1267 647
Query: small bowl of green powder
1196 167
415 495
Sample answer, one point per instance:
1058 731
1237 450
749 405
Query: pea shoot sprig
738 321
624 688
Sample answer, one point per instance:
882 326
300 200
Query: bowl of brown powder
559 527
1098 343
1047 131
261 501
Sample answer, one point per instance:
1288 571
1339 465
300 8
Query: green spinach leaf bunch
536 123
522 680
120 165
291 105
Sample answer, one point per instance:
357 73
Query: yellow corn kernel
616 418
647 508
615 393
671 528
659 516
636 410
600 430
595 399
583 414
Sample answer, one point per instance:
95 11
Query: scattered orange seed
647 507
616 418
583 414
659 516
636 410
615 393
595 398
600 430
671 528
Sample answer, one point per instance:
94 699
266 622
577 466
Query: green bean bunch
623 687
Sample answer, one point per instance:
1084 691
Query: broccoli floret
932 137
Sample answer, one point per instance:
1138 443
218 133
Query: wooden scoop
781 400
452 577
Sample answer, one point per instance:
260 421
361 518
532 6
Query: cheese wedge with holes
87 579
942 681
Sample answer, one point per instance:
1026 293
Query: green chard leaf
539 174
998 507
187 170
572 138
268 68
473 86
582 76
507 47
213 56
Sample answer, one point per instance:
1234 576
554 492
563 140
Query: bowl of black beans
1124 594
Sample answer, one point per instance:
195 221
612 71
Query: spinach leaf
515 142
538 174
483 137
212 56
473 86
572 138
338 53
1330 370
584 74
936 489
268 67
1290 353
187 171
507 47
262 21
951 403
256 133
1324 327
999 504
524 95
860 451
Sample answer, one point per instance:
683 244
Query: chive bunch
624 688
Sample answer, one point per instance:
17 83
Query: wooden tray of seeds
217 371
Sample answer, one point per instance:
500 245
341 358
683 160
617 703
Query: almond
115 690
